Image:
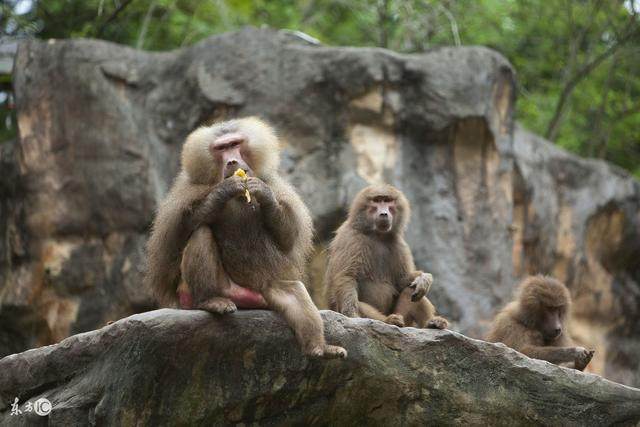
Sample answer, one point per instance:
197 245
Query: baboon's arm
283 211
346 295
211 208
282 223
550 354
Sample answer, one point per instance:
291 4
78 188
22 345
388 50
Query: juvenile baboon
535 324
370 270
220 251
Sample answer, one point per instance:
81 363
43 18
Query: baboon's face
230 151
545 302
213 153
551 321
381 211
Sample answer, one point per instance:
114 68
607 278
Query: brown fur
520 325
371 274
207 235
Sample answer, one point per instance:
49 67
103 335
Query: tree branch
383 17
113 16
145 25
453 23
584 71
599 140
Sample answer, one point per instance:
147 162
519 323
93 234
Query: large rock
101 127
175 367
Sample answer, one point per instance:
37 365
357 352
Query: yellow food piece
243 175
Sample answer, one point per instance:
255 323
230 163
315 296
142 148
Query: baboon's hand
421 285
215 201
222 193
582 357
229 188
261 191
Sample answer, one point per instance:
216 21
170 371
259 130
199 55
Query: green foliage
577 62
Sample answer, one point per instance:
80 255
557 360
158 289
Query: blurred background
90 136
577 62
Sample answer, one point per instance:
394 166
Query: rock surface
101 127
175 367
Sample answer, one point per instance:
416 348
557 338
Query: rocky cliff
101 127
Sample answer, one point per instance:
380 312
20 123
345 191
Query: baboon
219 249
535 324
370 269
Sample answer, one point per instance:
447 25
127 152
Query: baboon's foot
395 319
218 305
334 352
327 352
438 323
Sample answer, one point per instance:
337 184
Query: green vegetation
578 62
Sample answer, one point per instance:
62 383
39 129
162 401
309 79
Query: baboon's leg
205 278
291 299
367 310
203 274
422 312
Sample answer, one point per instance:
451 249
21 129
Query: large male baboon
229 251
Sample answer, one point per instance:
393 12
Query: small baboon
215 247
535 324
370 269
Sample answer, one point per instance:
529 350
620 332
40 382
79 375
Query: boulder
177 367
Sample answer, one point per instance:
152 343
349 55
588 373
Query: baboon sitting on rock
535 324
